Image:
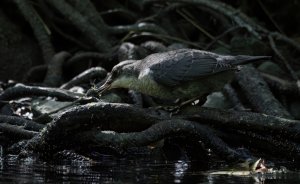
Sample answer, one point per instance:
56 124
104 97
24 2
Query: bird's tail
243 59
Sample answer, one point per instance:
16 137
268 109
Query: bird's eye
114 73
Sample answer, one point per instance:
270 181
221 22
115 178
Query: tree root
54 72
281 85
16 132
121 117
248 121
26 124
80 22
92 73
21 90
39 28
258 93
95 36
161 130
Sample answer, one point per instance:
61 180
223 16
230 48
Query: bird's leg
202 100
176 108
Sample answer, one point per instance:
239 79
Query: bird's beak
106 86
99 90
103 88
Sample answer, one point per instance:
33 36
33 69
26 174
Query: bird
178 74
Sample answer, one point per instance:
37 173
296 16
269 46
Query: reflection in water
180 168
121 170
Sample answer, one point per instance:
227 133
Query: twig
285 39
282 58
238 17
221 36
266 11
177 39
202 30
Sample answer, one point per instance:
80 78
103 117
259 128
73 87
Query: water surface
126 170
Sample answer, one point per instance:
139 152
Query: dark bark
86 76
21 90
163 129
39 28
16 132
256 122
105 116
97 37
26 124
281 85
18 52
54 74
258 93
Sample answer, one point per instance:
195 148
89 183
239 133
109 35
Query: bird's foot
175 109
172 109
167 109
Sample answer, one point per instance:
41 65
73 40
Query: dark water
112 170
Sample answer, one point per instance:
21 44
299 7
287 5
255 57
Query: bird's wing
185 65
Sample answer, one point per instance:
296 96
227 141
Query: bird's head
120 76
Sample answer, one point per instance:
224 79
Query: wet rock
40 106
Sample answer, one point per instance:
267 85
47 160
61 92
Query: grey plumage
183 73
174 67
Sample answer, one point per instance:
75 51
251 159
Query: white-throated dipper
179 74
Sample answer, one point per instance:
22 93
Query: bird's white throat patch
124 82
144 73
142 83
